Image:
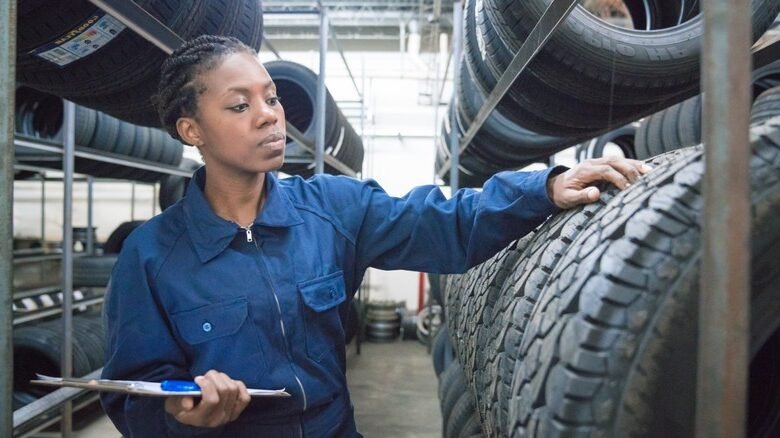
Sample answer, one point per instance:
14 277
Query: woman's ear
189 131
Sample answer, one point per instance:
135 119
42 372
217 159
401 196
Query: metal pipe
319 152
43 208
7 96
90 200
105 157
724 300
457 52
343 58
66 365
271 48
553 16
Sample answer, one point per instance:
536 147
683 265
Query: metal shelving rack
721 397
141 22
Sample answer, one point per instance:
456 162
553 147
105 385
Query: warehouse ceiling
359 24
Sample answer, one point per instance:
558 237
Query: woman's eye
274 100
240 107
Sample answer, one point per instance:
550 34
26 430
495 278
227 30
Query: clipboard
136 387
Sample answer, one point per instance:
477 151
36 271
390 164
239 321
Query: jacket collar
211 234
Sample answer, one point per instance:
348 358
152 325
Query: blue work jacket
268 304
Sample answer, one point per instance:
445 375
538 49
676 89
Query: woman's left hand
575 186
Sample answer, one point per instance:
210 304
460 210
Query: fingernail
647 168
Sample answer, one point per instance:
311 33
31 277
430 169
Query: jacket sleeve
140 346
423 231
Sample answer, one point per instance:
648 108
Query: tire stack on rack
589 78
40 115
582 326
75 51
296 85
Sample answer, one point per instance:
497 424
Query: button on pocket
220 336
322 296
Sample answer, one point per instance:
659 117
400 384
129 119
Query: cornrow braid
179 88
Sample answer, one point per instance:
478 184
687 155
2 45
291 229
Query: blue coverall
268 305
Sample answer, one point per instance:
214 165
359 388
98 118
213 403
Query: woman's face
240 126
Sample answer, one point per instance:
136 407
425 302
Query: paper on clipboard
137 387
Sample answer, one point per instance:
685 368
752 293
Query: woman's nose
266 116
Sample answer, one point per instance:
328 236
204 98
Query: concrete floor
393 389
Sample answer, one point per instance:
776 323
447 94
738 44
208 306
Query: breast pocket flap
324 293
211 322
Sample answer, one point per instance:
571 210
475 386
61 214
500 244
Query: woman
246 281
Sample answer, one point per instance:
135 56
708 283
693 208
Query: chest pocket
321 297
221 336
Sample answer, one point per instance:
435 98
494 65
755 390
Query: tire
38 349
618 319
120 77
92 271
766 106
476 297
460 421
297 86
113 245
454 387
173 187
595 64
622 137
441 351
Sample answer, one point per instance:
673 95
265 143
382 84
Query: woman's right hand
222 401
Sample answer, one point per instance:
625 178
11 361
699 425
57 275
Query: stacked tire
38 349
296 85
40 115
596 317
108 67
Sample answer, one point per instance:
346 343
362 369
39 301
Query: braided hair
180 85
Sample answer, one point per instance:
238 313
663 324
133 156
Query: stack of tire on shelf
591 76
680 125
38 350
95 270
296 85
75 51
581 327
40 115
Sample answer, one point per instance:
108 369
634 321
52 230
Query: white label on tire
85 39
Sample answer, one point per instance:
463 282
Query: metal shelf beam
98 155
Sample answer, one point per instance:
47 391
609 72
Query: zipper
248 230
281 323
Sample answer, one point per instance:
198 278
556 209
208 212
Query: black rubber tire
441 351
618 318
120 77
38 349
297 86
574 64
622 137
173 187
93 271
766 106
673 128
461 417
88 330
113 245
452 385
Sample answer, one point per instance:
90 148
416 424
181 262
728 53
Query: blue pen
179 385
